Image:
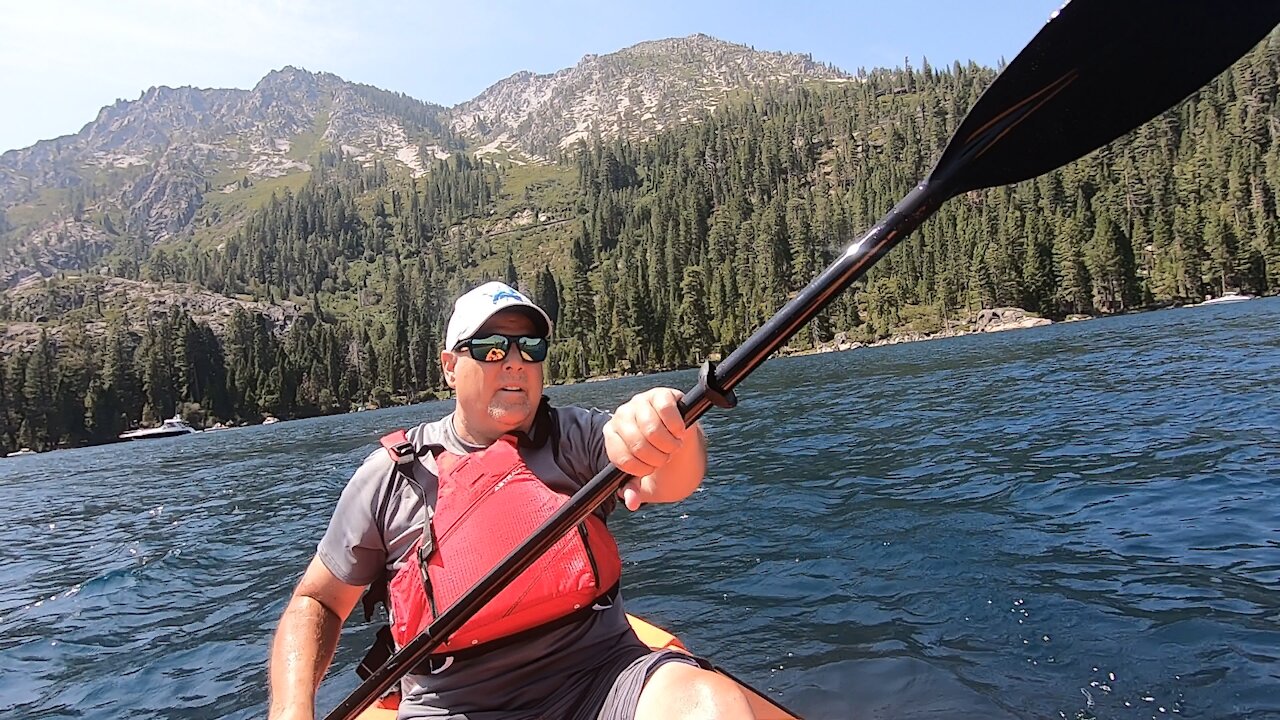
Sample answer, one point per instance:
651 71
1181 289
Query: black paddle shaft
1098 69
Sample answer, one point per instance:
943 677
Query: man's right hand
647 438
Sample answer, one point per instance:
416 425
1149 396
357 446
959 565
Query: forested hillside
651 254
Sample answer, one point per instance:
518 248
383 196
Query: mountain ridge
143 169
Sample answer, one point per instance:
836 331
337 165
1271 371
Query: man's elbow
304 606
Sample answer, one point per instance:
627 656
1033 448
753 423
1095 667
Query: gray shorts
623 696
605 686
612 689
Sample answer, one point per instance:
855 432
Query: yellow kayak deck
656 638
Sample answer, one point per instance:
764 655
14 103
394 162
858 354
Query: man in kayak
558 646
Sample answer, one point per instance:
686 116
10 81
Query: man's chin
513 413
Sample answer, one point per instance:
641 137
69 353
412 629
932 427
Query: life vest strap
379 653
384 647
601 603
398 447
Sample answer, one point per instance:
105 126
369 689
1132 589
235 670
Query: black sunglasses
493 348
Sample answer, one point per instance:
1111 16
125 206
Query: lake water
1072 521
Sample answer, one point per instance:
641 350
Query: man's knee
677 691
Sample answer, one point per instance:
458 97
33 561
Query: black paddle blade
1054 103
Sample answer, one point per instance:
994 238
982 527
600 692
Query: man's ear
449 363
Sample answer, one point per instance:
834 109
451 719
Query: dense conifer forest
657 254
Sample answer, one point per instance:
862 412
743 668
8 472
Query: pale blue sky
62 60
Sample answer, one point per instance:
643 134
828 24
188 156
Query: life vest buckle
398 447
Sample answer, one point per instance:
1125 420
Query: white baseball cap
476 306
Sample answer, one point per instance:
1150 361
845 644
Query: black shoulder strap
403 469
553 433
546 429
377 590
403 453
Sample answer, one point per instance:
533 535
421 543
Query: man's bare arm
306 639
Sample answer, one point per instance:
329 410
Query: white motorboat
172 427
23 451
1229 297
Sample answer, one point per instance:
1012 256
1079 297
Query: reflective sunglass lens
533 349
494 348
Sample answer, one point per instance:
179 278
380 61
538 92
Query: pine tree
692 321
38 397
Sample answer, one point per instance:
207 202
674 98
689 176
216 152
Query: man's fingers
645 431
625 456
631 495
666 404
652 429
653 454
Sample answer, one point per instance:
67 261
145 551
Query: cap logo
510 294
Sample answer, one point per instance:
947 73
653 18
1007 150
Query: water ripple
1074 521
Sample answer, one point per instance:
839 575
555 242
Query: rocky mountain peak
151 163
634 92
290 75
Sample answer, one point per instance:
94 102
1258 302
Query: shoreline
989 320
998 320
1017 319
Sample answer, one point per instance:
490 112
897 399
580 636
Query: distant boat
23 451
1226 297
170 428
270 420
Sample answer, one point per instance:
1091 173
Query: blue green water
1071 521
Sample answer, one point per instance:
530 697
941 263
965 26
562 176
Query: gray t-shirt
518 676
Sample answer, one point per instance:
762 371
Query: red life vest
487 503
